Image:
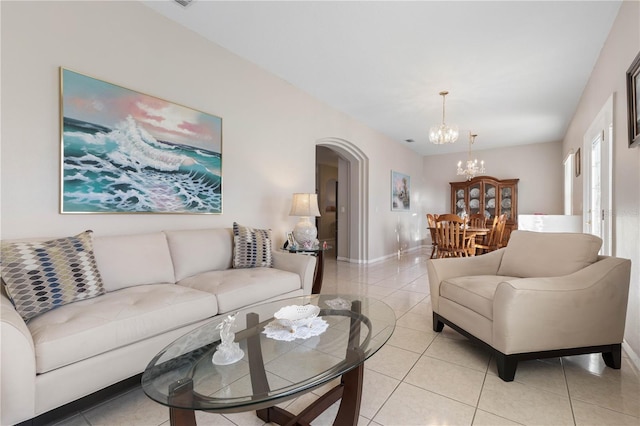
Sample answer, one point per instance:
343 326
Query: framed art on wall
400 192
633 102
126 152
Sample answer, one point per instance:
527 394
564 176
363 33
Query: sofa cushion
251 247
40 276
200 250
473 292
130 260
236 288
547 254
84 329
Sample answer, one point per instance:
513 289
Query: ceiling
515 70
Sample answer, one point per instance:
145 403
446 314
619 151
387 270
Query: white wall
608 77
269 127
539 168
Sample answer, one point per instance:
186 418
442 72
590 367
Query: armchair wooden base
507 364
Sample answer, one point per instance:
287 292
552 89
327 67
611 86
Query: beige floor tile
75 420
617 390
410 405
459 351
415 321
524 404
444 378
133 408
423 308
545 374
592 415
376 389
248 418
419 285
411 340
391 361
214 419
482 418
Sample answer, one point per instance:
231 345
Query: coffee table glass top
358 327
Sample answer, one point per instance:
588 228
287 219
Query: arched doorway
352 205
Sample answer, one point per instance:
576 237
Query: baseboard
635 359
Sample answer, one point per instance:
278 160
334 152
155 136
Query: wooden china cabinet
489 196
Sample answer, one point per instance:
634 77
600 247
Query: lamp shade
304 205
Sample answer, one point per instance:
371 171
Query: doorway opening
342 180
598 180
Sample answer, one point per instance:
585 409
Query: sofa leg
438 325
613 359
507 366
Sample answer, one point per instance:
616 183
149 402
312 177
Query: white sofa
158 287
544 295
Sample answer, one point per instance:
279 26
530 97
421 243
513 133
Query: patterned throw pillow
40 276
251 247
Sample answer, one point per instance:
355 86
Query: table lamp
305 206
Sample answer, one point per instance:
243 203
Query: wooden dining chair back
478 220
431 222
451 237
494 239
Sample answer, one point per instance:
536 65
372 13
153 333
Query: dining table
472 233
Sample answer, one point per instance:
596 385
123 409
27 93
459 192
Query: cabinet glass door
506 200
490 200
475 193
461 205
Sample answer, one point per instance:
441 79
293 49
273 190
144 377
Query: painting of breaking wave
125 152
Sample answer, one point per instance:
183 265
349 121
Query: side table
317 275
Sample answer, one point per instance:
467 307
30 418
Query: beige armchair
544 295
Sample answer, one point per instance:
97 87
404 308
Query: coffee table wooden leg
181 393
349 410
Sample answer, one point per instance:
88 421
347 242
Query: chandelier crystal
472 168
442 134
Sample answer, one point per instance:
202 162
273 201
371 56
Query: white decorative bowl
297 312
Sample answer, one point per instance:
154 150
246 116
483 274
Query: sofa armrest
441 269
18 365
586 308
302 265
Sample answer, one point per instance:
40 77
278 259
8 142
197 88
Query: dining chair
452 238
494 239
477 220
431 222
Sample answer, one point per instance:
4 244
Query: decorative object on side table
633 102
305 206
228 351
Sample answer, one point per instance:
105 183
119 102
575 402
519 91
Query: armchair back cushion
536 254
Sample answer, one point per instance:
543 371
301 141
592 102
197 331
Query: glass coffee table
282 360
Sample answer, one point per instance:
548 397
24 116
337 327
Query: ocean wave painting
126 152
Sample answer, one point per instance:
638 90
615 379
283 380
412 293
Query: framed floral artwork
400 192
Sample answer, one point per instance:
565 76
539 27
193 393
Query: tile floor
426 378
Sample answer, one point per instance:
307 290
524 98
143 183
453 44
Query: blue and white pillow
251 247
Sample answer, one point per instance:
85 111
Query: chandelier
472 168
441 134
